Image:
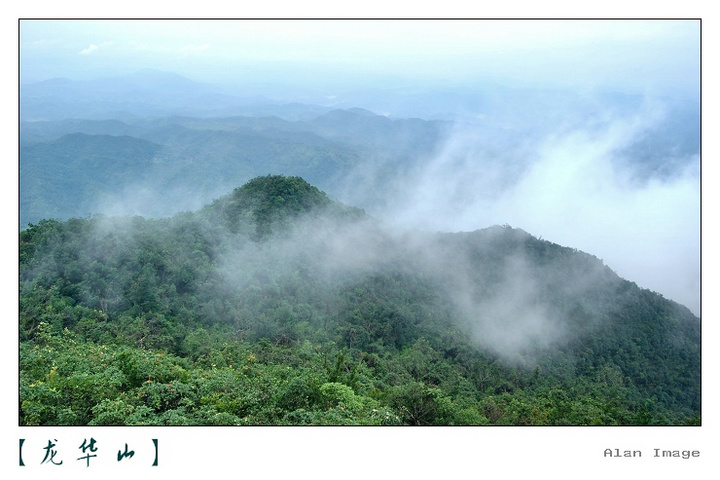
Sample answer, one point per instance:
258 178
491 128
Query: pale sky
629 55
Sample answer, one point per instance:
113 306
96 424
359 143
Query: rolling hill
275 304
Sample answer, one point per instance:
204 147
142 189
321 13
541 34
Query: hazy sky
630 55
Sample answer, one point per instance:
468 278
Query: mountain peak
270 203
289 193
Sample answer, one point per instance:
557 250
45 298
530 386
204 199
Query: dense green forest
276 305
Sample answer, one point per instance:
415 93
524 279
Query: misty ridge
520 297
500 294
277 262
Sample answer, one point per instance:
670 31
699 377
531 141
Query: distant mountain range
156 143
158 166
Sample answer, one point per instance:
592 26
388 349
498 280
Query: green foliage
233 315
269 205
61 178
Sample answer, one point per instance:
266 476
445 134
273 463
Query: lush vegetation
276 305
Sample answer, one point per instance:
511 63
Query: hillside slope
277 305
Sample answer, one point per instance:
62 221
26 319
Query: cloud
580 193
90 49
577 185
514 322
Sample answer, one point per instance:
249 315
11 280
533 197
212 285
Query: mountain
486 145
275 304
160 166
76 172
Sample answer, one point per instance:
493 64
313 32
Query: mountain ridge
217 153
470 325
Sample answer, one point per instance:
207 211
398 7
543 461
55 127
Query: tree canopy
276 305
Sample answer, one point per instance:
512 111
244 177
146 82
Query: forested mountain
275 304
70 176
159 166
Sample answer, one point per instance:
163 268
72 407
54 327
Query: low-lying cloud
577 185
